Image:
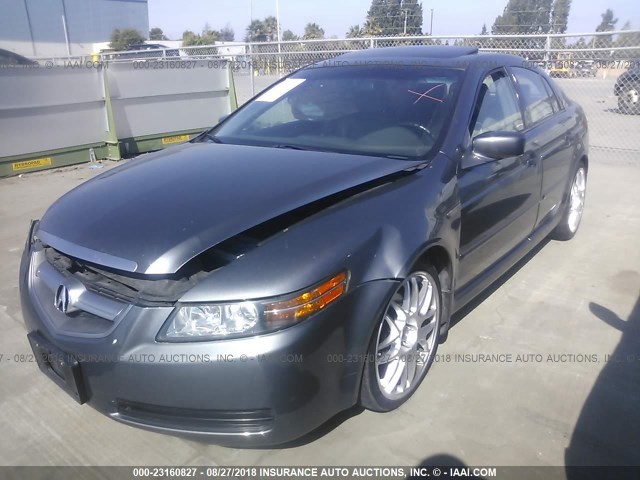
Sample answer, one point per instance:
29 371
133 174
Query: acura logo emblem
61 300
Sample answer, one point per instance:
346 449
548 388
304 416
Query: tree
411 12
371 28
560 15
524 17
628 40
484 29
394 17
313 31
289 36
227 34
189 38
271 28
157 34
255 32
123 39
355 31
607 24
207 37
262 30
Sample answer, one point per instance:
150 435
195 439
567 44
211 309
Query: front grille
196 420
90 314
130 288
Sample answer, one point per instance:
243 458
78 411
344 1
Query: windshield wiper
291 147
212 137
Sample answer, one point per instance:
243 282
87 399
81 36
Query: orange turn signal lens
307 303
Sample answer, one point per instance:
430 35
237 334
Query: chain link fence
599 70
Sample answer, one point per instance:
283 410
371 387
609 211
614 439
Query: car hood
154 214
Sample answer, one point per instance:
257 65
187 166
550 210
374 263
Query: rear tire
574 207
628 101
404 342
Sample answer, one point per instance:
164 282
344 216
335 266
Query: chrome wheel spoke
407 335
426 305
387 341
385 358
425 330
415 295
412 366
401 314
396 377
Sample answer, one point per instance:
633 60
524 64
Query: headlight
218 321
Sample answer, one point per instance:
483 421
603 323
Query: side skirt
467 293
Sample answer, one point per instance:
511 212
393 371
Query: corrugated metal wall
34 28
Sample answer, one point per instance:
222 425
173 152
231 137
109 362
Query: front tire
404 342
628 101
572 215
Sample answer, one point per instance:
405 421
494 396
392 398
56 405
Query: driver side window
496 108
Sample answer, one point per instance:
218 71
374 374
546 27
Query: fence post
371 43
112 141
547 53
253 85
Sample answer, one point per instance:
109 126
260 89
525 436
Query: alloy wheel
577 198
407 335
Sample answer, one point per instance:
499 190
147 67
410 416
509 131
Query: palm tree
313 31
271 28
371 28
256 32
354 32
288 36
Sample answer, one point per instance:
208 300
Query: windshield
397 111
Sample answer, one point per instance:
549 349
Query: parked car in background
155 50
306 254
144 51
627 89
586 68
562 66
8 58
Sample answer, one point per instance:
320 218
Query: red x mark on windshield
426 94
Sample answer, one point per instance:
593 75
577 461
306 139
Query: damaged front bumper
262 390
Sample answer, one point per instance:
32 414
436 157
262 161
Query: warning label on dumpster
175 139
35 163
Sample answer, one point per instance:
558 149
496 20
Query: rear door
548 127
499 197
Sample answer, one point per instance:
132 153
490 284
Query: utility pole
406 14
64 27
278 22
279 39
431 27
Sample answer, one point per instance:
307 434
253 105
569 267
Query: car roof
147 45
19 58
441 55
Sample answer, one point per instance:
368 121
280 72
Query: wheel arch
584 158
440 258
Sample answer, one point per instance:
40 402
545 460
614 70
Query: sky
451 17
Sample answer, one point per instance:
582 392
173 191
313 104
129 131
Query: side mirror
499 145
